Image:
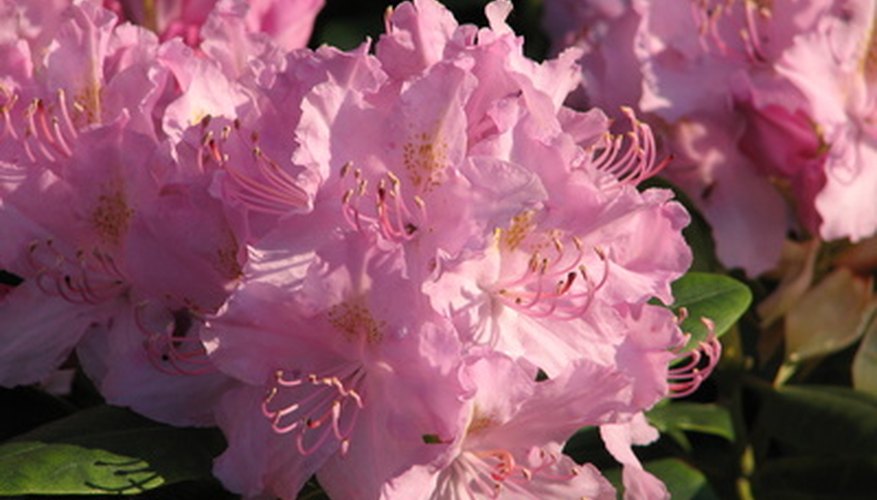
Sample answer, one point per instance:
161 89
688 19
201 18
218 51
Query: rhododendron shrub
408 269
756 104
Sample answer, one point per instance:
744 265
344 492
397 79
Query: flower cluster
767 104
413 272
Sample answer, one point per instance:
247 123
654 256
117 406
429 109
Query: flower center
356 322
111 215
555 281
425 159
521 226
171 340
490 473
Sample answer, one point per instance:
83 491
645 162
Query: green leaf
718 298
817 477
705 418
105 450
818 419
684 481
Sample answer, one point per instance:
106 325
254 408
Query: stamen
43 136
490 472
314 402
254 180
637 161
691 368
172 349
78 280
6 107
572 292
392 217
65 114
708 18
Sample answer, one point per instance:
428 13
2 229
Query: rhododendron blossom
460 214
510 446
754 105
92 193
287 22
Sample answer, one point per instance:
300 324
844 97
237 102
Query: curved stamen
65 114
254 179
6 108
172 349
79 279
707 19
319 408
749 34
691 368
629 158
493 471
573 289
43 134
708 15
392 217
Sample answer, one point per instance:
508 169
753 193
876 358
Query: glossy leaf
705 418
105 450
718 298
682 480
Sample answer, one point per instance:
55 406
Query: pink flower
90 199
456 210
83 259
761 99
833 67
287 22
351 361
513 435
619 437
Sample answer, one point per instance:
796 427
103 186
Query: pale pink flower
514 430
619 438
455 210
713 73
351 361
90 199
84 258
256 163
833 66
714 171
287 22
